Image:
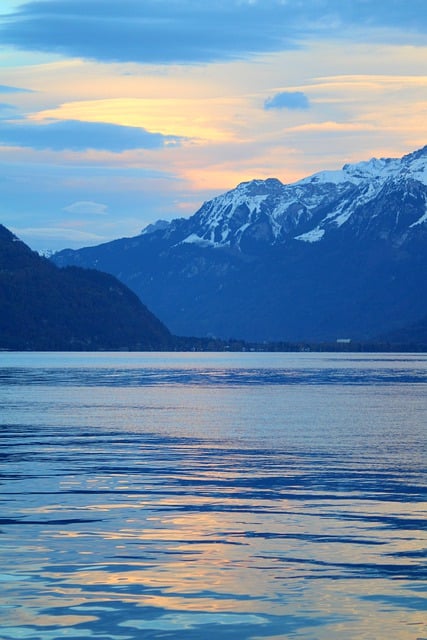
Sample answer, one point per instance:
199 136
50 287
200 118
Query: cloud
4 88
331 127
86 207
75 135
94 168
47 234
153 31
189 118
190 31
287 100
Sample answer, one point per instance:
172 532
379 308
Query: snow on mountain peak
376 169
304 210
159 225
367 170
270 211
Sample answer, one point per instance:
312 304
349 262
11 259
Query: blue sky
115 114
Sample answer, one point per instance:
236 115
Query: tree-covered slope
43 307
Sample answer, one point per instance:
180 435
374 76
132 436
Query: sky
116 114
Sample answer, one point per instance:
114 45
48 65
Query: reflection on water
199 497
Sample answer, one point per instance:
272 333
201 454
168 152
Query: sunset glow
200 109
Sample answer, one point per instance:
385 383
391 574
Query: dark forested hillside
43 307
414 334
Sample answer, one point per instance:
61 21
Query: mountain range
45 308
337 255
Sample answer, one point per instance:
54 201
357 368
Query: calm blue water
213 496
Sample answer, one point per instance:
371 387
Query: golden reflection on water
194 531
220 563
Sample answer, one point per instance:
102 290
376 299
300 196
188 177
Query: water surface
213 496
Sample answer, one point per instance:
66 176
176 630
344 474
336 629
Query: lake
207 496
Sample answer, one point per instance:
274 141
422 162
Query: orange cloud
197 119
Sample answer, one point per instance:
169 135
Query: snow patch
419 221
193 238
340 219
159 225
312 236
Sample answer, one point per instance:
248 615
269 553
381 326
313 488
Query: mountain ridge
336 253
287 208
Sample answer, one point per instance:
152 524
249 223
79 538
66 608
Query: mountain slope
338 254
45 308
415 334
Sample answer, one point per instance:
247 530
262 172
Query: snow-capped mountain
357 196
339 252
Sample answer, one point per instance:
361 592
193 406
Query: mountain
414 334
47 308
340 254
